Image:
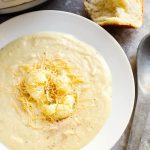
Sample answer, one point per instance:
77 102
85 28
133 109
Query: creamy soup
55 93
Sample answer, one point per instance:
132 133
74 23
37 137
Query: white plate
89 32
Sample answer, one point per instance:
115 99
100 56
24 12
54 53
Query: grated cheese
47 89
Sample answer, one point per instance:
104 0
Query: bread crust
117 23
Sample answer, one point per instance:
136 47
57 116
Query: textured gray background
128 39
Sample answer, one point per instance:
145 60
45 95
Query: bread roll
116 12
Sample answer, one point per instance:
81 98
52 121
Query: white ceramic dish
89 32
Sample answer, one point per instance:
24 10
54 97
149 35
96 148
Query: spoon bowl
143 65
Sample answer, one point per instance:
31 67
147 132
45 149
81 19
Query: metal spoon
143 88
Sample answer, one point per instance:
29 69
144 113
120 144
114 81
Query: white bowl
89 32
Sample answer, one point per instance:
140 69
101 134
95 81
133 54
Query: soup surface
55 92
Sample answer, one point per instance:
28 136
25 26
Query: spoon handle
145 145
139 121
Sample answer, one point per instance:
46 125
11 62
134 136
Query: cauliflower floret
37 92
49 110
59 111
35 82
36 77
63 111
69 100
64 78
